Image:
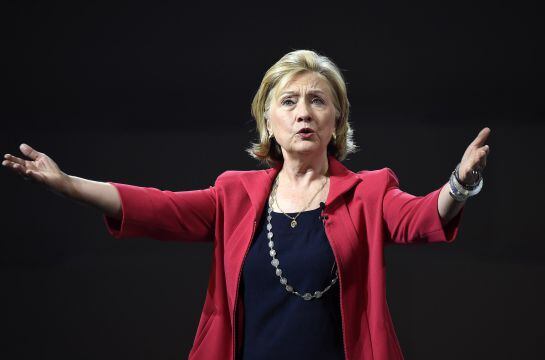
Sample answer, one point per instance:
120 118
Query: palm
40 168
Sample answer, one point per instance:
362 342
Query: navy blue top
281 325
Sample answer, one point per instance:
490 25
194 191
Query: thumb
29 151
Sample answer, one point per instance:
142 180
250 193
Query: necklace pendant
293 223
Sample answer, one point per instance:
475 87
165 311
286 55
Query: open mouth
305 131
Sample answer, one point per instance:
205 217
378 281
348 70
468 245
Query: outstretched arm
436 216
41 169
129 211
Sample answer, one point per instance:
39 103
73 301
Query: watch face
461 192
468 186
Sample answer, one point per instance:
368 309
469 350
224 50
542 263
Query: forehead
304 82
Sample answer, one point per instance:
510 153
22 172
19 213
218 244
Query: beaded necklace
272 252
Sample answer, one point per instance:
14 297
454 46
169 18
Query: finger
10 164
483 150
29 175
475 157
481 137
479 162
15 159
29 151
19 169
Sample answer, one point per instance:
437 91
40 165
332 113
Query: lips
305 131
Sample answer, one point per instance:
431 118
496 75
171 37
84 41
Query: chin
307 149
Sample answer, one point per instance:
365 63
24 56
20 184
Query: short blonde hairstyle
267 150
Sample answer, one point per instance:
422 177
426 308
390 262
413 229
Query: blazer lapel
258 186
258 183
341 180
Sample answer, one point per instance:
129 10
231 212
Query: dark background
158 94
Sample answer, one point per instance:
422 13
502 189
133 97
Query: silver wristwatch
460 191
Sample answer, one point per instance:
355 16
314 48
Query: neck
302 170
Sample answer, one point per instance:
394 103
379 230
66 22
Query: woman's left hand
474 157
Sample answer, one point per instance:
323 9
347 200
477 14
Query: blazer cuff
447 232
135 205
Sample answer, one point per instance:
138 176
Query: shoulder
379 177
374 184
230 177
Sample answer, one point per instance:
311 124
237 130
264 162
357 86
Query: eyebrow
313 91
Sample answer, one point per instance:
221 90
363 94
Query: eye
319 100
287 102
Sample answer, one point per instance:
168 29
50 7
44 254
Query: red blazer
365 211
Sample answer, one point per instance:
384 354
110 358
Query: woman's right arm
42 170
129 211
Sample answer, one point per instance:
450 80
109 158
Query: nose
303 113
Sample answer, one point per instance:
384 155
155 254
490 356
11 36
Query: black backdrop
159 94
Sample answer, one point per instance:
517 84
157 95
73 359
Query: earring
334 137
271 135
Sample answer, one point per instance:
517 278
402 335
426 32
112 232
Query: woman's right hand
39 169
43 170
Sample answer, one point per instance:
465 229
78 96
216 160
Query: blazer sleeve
414 219
163 214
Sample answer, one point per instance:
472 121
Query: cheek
281 123
329 123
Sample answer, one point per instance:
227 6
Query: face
305 102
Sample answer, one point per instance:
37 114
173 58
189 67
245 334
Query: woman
298 267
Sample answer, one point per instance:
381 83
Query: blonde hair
267 150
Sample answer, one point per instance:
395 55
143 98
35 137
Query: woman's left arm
474 158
